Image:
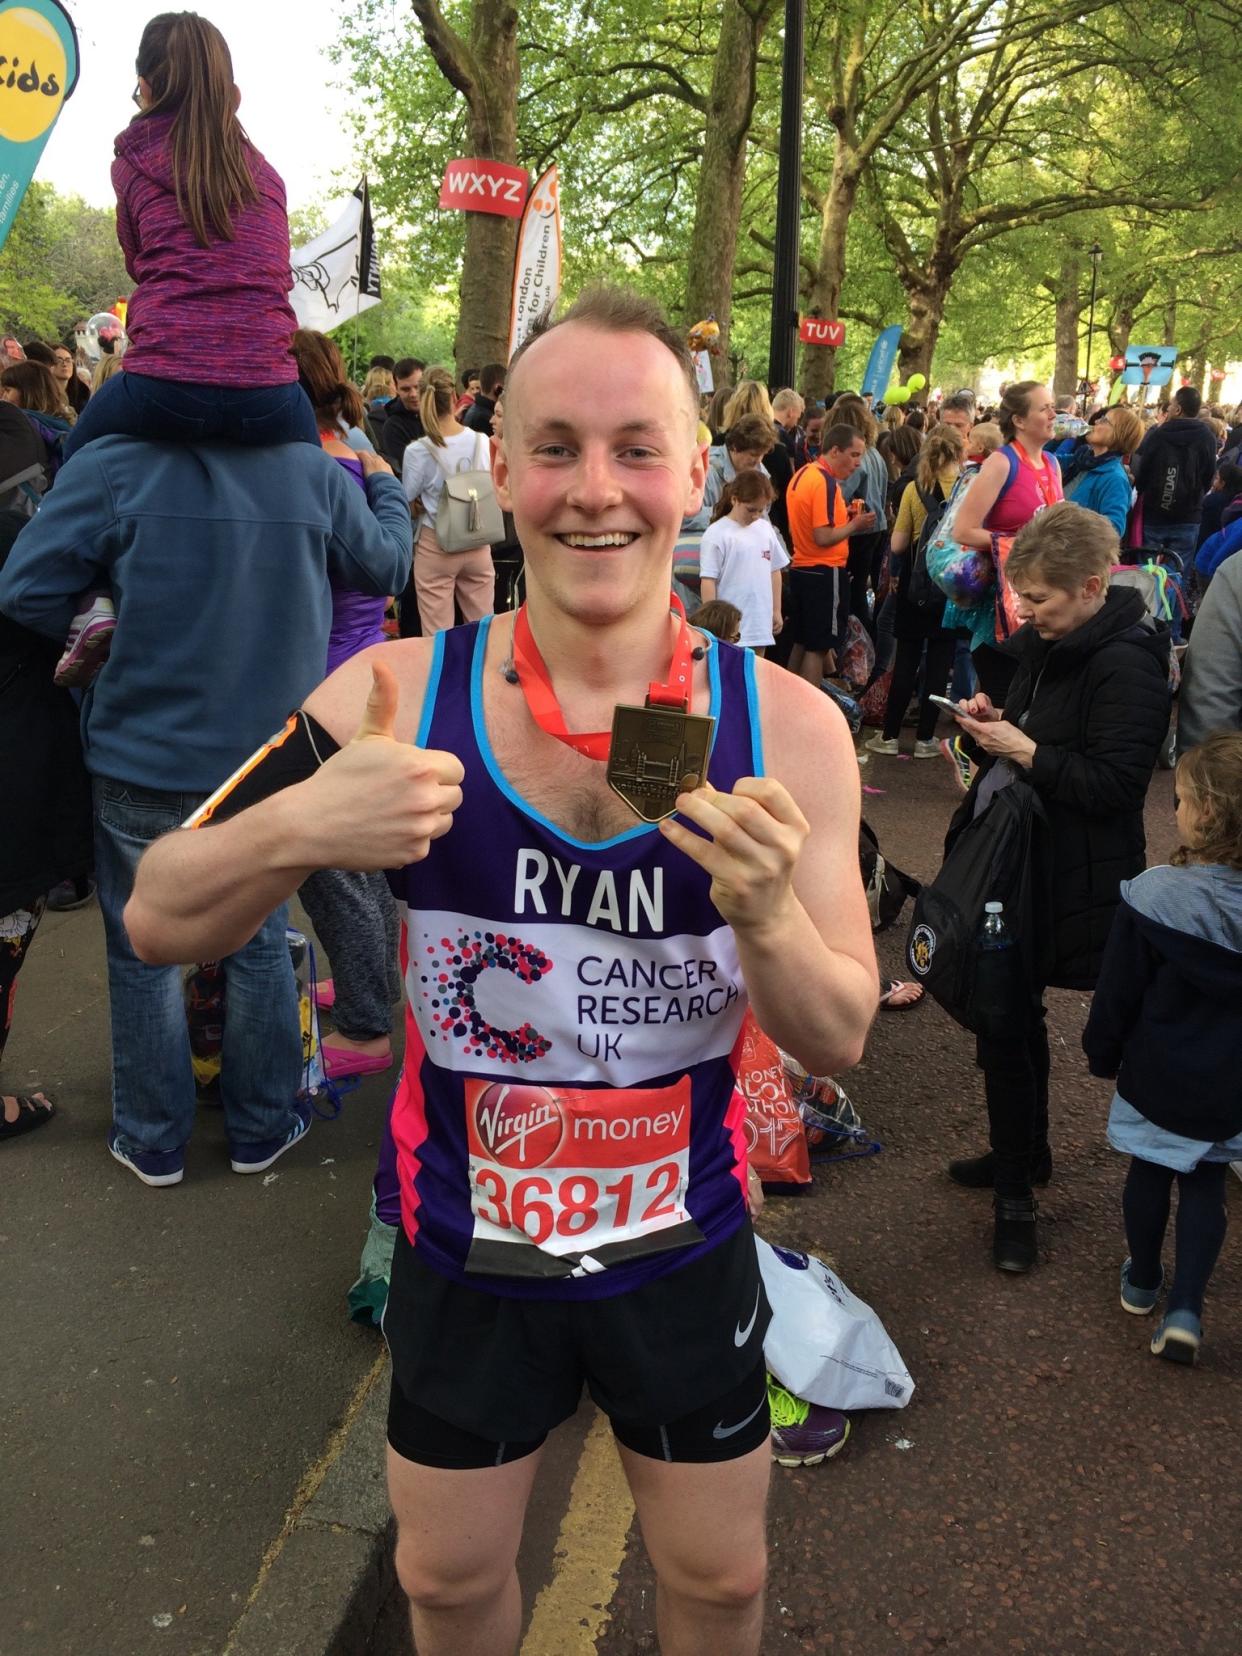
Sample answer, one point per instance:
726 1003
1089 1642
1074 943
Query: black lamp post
788 204
1097 253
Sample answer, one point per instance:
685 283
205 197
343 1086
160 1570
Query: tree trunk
1065 374
918 342
487 73
1170 338
819 362
722 170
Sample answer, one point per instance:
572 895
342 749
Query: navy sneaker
1138 1300
257 1158
803 1434
153 1167
1178 1337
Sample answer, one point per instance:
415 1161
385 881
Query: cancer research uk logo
519 1126
449 975
922 948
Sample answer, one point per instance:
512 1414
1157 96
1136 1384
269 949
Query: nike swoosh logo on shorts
720 1430
743 1334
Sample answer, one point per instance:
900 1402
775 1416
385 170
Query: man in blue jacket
221 562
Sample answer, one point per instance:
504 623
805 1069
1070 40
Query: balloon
1116 363
898 395
104 332
917 382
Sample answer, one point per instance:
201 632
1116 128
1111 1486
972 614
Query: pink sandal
325 994
339 1062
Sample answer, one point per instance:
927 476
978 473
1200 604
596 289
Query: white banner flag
537 268
336 277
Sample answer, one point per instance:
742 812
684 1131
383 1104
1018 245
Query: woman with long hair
748 397
30 387
201 220
443 580
1009 489
354 915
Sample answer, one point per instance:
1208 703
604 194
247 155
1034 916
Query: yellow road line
572 1610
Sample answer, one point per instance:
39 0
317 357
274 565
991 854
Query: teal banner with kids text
38 71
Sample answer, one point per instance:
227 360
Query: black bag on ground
886 886
999 857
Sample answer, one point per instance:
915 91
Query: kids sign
38 71
485 187
814 330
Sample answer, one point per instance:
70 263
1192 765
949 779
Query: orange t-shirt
813 501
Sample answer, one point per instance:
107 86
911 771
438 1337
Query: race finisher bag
1001 856
469 515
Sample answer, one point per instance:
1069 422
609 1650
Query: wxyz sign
813 330
484 187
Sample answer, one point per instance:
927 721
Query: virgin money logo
519 1126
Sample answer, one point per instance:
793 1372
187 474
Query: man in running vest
573 1201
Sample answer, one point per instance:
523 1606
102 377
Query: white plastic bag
824 1344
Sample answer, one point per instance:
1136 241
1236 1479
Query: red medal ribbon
536 682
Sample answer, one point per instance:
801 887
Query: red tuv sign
813 330
485 187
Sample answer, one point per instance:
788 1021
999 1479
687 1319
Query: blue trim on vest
493 769
752 712
430 693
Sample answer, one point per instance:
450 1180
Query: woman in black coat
46 832
1084 719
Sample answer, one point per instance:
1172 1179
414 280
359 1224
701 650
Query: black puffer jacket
1096 703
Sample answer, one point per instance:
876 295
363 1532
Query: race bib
565 1182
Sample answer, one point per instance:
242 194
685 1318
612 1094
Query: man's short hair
406 367
961 402
1063 546
752 434
1188 400
491 378
1065 403
787 399
616 310
37 351
384 362
840 436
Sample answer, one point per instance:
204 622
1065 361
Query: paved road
173 1360
1052 1487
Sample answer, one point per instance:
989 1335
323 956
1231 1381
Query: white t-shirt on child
741 559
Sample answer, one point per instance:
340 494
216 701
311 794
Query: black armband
295 753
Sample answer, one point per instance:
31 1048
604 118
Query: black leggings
940 648
1015 1081
1201 1220
995 671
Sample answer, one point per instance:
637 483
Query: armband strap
292 755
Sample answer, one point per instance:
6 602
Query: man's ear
500 474
698 479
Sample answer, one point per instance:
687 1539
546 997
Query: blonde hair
1210 776
1127 430
943 449
104 369
1063 545
378 383
749 397
788 399
985 438
853 411
894 419
437 403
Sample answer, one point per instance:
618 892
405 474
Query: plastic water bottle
995 934
996 995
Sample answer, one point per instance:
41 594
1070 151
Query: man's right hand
378 803
863 524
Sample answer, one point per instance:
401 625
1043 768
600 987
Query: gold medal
657 753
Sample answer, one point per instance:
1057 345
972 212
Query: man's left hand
757 834
1000 738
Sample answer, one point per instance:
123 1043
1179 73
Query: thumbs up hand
378 803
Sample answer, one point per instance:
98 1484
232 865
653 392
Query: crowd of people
453 813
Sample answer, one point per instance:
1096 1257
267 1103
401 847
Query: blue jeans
135 405
153 1093
1181 538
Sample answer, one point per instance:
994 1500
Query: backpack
967 577
921 591
469 515
886 886
999 856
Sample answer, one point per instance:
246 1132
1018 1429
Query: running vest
566 1120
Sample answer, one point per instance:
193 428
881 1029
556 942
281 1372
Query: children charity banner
38 71
337 276
881 362
537 266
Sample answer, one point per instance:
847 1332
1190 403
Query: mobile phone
952 706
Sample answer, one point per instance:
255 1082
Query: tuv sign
485 187
814 330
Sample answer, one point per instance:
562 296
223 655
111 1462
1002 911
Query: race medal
655 754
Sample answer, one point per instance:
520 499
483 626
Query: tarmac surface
187 1401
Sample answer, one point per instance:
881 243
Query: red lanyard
1045 480
536 684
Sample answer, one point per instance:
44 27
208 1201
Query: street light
785 263
1097 253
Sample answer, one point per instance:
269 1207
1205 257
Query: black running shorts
677 1365
819 606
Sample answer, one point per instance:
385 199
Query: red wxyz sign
485 187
